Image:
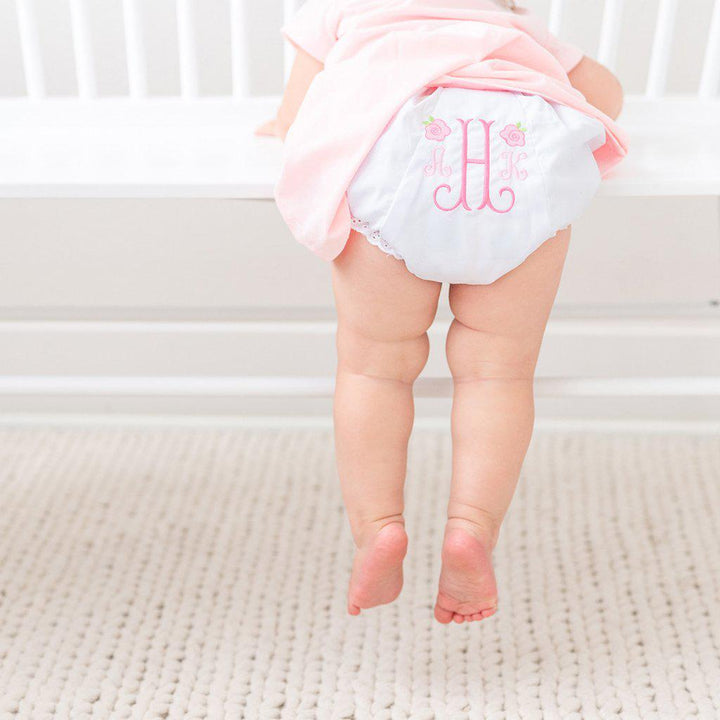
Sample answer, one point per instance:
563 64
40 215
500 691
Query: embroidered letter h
466 162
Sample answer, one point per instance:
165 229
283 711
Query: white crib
193 146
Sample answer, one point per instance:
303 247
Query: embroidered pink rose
514 135
436 129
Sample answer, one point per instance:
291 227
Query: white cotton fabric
540 152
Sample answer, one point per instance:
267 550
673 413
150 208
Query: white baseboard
322 387
264 366
324 422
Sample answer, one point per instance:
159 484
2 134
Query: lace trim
374 237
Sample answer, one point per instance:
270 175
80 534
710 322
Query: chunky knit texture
167 573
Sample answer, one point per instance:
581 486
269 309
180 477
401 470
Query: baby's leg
384 313
492 350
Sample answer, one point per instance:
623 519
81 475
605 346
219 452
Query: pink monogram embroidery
462 200
437 164
513 166
436 129
513 135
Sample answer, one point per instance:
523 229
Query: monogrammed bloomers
464 184
446 131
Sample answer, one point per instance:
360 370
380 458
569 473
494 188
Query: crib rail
30 47
710 80
136 37
135 47
665 27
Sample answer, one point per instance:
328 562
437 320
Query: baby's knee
474 354
397 360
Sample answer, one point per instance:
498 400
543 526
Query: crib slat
82 47
556 16
662 46
240 65
610 33
135 49
30 47
289 52
710 80
187 45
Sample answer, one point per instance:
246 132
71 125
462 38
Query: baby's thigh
507 318
378 297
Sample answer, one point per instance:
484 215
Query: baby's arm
599 86
304 69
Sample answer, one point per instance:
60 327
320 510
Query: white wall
195 261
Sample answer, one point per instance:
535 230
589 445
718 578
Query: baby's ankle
369 529
476 522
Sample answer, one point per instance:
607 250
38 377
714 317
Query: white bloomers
464 184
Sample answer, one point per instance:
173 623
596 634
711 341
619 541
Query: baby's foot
467 581
377 574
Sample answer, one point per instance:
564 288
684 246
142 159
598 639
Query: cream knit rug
178 573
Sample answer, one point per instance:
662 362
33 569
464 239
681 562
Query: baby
432 141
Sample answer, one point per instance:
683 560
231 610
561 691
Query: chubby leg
384 313
492 349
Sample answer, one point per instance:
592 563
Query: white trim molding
311 387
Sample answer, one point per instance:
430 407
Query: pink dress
385 62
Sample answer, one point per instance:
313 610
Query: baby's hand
271 128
